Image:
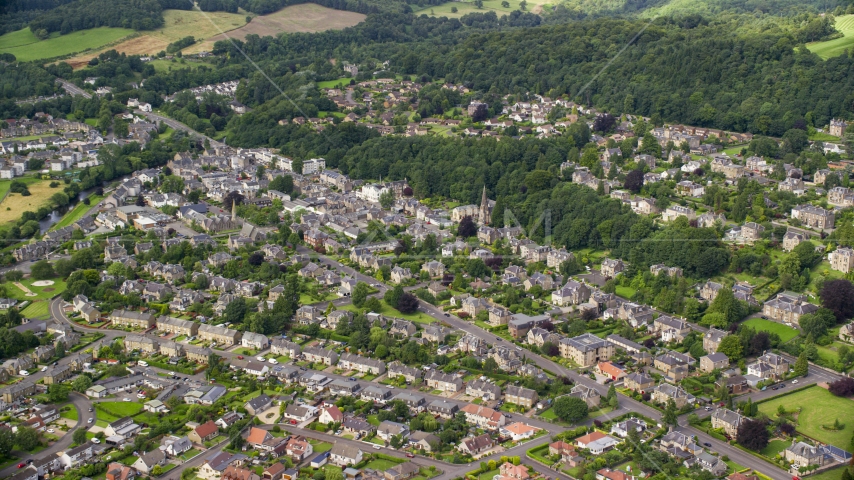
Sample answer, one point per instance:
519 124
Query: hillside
835 47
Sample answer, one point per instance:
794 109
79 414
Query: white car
44 369
273 361
794 382
126 399
24 373
50 430
96 441
260 358
90 420
142 363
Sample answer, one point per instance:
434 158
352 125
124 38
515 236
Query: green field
77 212
444 10
417 317
818 407
26 47
832 48
341 82
112 411
774 447
785 333
36 310
42 293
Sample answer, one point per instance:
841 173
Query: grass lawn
785 333
488 475
601 411
818 407
382 464
320 447
70 414
832 48
774 447
42 293
417 317
36 310
823 137
77 212
832 474
373 420
112 411
548 414
626 292
343 82
305 299
26 46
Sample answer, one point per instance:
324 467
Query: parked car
90 420
22 465
795 381
240 357
707 444
409 455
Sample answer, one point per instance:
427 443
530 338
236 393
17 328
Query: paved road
154 117
73 89
78 401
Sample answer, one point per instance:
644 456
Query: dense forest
701 75
84 14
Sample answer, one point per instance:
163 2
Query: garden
816 411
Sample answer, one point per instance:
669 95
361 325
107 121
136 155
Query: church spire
484 208
234 210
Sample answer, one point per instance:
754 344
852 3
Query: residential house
475 445
713 361
586 349
727 420
665 391
596 442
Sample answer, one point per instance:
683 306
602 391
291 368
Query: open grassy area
832 48
818 407
42 293
77 212
36 310
417 317
14 203
26 46
446 9
823 137
785 333
70 414
306 17
382 464
626 292
177 24
774 447
832 474
112 411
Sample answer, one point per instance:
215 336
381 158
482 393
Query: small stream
47 222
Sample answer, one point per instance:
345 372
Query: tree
392 296
14 275
156 471
79 436
360 294
387 199
634 181
27 438
42 270
81 383
570 409
802 365
467 228
58 392
408 303
844 387
726 304
731 347
838 297
753 434
817 323
671 417
7 441
604 122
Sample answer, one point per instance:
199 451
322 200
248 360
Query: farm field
14 203
306 17
444 10
178 24
26 47
786 333
835 47
818 407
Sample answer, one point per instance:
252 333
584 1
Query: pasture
835 47
306 17
445 9
818 408
27 47
178 24
14 204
